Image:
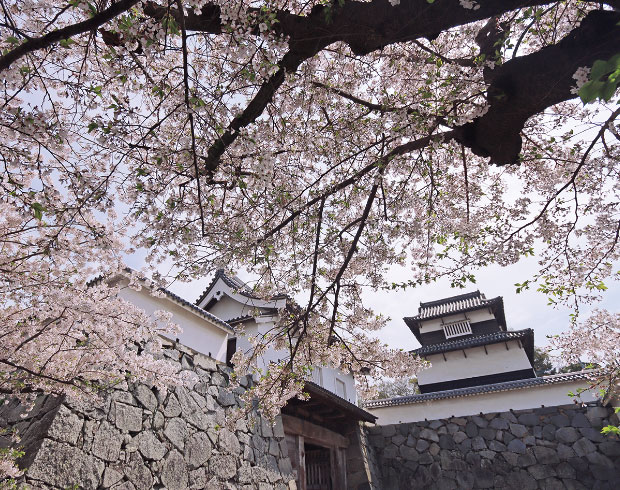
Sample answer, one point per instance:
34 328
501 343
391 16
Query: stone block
435 424
138 473
465 445
398 439
388 430
477 443
567 435
459 437
565 452
205 362
583 446
61 465
198 478
429 435
434 449
529 419
526 460
516 446
480 421
228 442
499 423
278 428
548 432
145 397
158 421
471 429
408 453
593 435
176 431
425 458
172 407
66 426
465 480
446 442
391 451
174 473
564 470
422 445
110 477
150 446
541 471
560 420
127 417
522 480
545 455
483 478
488 434
596 413
226 398
107 442
473 459
610 448
192 413
511 458
580 420
599 459
496 446
518 430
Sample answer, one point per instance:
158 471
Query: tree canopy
314 143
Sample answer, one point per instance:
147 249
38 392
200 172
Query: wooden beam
312 433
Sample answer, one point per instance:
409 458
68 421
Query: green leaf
92 126
66 43
599 68
37 209
608 90
590 91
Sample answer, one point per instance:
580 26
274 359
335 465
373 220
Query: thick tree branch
526 86
58 35
363 26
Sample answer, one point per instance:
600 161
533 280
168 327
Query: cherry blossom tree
313 143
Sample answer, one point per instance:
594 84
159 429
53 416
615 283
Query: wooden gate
318 469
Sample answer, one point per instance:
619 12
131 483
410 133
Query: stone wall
363 472
547 448
136 438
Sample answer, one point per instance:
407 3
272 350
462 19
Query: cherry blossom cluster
214 137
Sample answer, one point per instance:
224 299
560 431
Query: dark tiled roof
450 305
177 299
474 341
237 285
453 305
358 413
197 310
476 390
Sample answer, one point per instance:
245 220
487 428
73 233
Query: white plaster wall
473 316
227 309
496 359
323 376
198 332
329 377
533 397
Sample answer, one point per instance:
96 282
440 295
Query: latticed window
457 329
